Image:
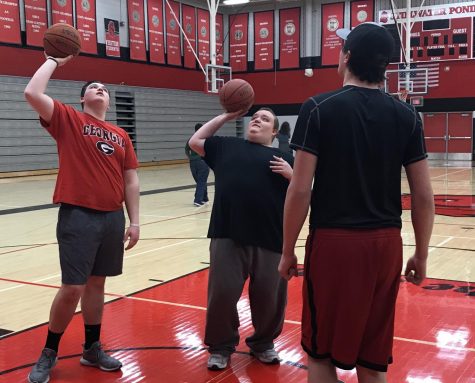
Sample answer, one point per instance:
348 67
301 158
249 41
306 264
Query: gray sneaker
267 356
40 371
96 357
218 361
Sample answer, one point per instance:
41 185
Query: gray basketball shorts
90 243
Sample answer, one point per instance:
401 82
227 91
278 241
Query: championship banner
361 12
203 36
156 43
238 42
36 21
112 37
10 26
135 11
264 40
62 11
189 26
289 40
173 33
332 19
219 39
86 25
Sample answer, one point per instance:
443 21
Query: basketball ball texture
236 95
62 40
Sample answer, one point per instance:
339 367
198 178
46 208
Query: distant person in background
283 137
200 172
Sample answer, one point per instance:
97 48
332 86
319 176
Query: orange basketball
236 95
61 40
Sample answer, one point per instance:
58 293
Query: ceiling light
235 2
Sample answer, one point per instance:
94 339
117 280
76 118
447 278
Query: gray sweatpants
230 266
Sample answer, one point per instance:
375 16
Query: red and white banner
189 26
156 45
135 10
431 12
219 39
203 36
361 12
332 19
173 33
112 37
264 40
62 11
86 25
36 20
289 38
238 42
10 26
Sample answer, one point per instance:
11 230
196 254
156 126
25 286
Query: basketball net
402 95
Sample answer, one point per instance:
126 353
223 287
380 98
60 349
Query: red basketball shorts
349 296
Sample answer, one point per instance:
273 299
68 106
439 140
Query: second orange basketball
236 95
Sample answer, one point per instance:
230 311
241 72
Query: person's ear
347 57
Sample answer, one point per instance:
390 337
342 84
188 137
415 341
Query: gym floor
154 318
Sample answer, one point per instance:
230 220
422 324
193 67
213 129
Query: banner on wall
332 19
361 12
112 37
264 40
86 25
203 36
156 45
62 11
135 10
10 26
238 42
189 26
173 33
289 38
36 20
219 39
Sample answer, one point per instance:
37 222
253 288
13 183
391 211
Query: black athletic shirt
362 138
249 198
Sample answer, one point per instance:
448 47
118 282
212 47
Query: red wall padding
282 87
24 62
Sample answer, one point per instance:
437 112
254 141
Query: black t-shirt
362 138
249 198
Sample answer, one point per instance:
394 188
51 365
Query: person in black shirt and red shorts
352 144
251 179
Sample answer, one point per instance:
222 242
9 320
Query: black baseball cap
368 41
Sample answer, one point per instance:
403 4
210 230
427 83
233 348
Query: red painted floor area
162 342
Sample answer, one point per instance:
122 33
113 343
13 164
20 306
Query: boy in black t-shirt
251 179
352 144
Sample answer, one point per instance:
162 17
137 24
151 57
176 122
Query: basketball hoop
402 95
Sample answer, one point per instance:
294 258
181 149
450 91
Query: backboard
216 77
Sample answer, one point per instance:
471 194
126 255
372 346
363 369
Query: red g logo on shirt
105 148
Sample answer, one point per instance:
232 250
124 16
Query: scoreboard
443 39
439 32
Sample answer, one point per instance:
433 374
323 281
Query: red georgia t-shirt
93 156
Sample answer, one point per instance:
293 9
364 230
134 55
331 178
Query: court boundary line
27 209
201 308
